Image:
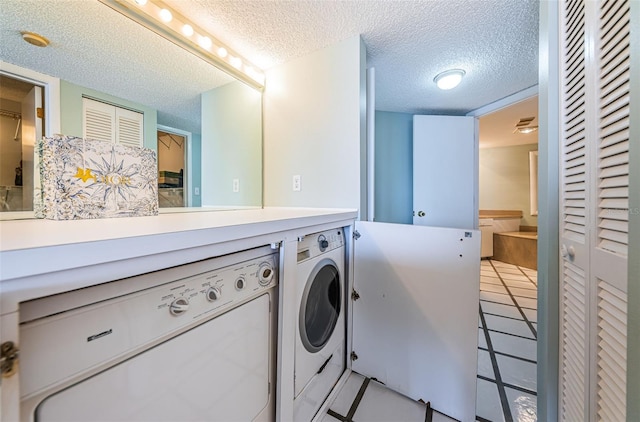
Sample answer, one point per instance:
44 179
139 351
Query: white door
415 323
32 113
594 209
445 171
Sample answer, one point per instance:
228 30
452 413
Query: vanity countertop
47 250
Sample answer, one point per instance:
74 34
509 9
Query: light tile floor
362 399
507 336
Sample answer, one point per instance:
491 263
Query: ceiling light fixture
527 129
156 16
35 39
449 79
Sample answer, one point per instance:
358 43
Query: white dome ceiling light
449 79
35 39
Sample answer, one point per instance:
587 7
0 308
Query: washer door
320 305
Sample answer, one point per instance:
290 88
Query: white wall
231 145
504 180
314 126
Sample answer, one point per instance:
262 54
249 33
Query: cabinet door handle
420 213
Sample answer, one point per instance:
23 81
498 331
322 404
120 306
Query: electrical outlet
236 185
296 183
196 191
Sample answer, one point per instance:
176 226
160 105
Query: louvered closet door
611 209
106 122
594 209
98 121
129 127
574 223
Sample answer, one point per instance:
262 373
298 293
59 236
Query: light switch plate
236 185
296 183
196 191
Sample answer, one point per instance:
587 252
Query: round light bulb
166 15
236 62
205 42
449 79
187 30
222 52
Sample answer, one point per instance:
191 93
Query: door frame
51 104
186 181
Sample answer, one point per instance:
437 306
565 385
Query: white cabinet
110 123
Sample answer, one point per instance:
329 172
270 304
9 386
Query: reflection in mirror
100 54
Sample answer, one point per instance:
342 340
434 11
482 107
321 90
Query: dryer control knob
240 283
179 306
213 294
265 274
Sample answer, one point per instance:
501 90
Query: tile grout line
509 355
533 330
506 304
529 278
507 385
510 334
506 410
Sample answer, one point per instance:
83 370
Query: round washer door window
320 305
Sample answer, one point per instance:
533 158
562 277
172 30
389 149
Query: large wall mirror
205 125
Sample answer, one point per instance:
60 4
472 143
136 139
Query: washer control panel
318 243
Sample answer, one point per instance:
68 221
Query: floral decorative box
85 178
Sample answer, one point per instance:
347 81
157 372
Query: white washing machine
190 343
320 336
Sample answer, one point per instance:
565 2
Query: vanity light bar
161 19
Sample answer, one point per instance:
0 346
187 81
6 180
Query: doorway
507 328
173 166
21 125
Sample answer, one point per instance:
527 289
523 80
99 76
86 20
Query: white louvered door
594 209
611 193
106 122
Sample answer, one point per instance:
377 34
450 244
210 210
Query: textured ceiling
408 43
94 46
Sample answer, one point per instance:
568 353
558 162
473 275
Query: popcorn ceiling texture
94 46
408 43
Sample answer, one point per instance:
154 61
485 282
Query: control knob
213 294
240 283
323 242
179 306
265 274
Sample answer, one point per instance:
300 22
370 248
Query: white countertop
32 247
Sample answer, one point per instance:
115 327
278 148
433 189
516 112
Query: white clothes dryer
320 336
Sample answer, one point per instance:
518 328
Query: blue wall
394 167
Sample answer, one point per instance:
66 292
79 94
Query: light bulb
236 62
166 15
205 42
222 52
187 30
449 79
